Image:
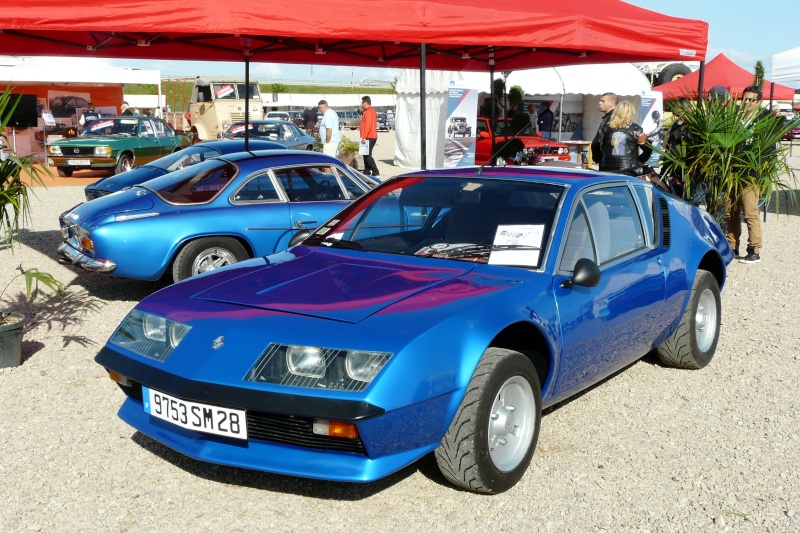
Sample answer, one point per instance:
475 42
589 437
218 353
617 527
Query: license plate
196 416
549 158
78 162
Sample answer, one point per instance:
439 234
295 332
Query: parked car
278 115
190 155
440 312
792 134
458 127
279 131
349 120
384 122
534 149
208 215
116 144
296 117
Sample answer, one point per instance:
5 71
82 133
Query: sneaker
736 253
751 258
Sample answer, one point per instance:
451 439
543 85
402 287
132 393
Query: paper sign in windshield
524 242
100 124
224 91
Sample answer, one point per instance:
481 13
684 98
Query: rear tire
65 172
123 164
203 255
694 342
491 440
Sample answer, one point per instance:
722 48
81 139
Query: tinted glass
198 184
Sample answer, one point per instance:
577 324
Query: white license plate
78 162
549 158
197 416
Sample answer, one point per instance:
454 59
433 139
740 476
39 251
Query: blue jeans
546 135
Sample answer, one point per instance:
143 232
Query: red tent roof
720 71
459 34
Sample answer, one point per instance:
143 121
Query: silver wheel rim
126 165
705 320
212 259
511 423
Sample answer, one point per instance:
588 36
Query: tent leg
247 100
423 155
700 81
492 113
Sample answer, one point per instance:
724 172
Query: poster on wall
64 104
460 124
651 113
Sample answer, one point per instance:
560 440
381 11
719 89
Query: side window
146 129
257 189
287 131
579 241
481 126
614 222
353 190
647 201
310 184
161 131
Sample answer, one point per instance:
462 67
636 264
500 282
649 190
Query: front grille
286 429
73 151
237 117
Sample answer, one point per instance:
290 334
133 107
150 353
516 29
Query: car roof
560 176
303 156
228 146
263 121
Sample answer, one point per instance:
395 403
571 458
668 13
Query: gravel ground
649 449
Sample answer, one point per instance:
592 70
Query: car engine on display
438 313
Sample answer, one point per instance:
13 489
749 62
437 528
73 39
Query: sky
744 30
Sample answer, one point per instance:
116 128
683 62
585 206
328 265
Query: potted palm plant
725 153
14 212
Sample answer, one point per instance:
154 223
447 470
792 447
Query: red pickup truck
536 149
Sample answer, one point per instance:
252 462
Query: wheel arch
185 242
527 339
129 153
712 263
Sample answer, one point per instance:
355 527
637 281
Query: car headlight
149 335
102 150
55 150
563 150
313 367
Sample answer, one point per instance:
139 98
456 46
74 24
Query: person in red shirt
369 134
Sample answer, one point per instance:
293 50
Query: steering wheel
323 190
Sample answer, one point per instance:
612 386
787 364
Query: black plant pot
11 325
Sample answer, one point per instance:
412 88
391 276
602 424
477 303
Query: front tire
124 164
65 172
491 440
203 255
694 342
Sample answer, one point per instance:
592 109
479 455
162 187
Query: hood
326 285
128 179
90 141
129 201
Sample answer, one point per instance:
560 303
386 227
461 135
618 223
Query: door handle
301 223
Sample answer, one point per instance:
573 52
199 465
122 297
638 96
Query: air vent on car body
665 230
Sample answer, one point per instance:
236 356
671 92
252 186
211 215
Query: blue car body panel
436 316
142 233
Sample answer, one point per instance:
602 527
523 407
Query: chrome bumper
68 254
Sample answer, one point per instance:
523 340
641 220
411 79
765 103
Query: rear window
198 184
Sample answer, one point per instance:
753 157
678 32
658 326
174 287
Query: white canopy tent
786 67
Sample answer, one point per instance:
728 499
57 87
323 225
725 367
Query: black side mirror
298 237
586 274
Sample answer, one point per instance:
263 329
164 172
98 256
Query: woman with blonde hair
622 141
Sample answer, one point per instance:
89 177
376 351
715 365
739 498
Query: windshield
126 127
474 219
263 130
197 184
185 158
504 128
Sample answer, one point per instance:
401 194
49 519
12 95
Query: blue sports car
208 215
175 161
440 312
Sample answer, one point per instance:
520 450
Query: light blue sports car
439 313
208 215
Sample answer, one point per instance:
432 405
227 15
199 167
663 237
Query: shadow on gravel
45 242
311 488
109 288
30 348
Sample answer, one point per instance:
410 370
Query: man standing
89 115
125 110
607 103
309 120
534 117
369 133
747 200
546 121
329 129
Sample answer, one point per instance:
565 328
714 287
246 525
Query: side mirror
298 237
484 135
585 274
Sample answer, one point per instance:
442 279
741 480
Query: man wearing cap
329 129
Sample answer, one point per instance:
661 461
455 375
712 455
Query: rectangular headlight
102 150
149 335
55 150
312 367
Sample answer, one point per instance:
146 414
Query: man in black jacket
607 103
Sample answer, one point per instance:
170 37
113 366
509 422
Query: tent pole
423 155
771 95
492 114
700 81
561 104
247 100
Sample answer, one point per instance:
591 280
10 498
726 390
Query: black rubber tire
682 349
65 172
123 163
672 72
464 455
229 250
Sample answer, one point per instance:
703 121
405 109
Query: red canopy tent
438 34
724 72
459 34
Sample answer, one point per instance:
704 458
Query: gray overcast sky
744 30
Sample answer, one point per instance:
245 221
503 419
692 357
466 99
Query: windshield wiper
483 249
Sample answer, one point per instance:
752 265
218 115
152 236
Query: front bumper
94 162
69 254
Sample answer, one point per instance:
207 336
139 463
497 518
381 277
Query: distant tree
279 88
759 79
394 84
515 96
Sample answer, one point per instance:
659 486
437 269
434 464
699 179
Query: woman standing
623 140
